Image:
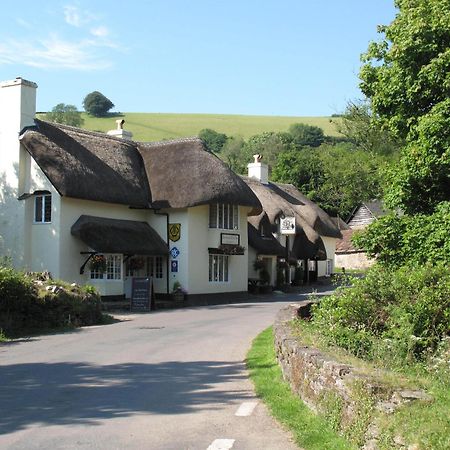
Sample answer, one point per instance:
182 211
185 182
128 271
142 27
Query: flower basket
136 263
97 264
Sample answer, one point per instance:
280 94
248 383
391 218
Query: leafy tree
65 114
232 154
408 72
407 79
306 135
213 140
359 127
97 104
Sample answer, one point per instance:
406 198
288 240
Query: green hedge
26 307
397 315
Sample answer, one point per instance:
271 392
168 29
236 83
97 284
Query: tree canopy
65 114
97 104
213 140
306 135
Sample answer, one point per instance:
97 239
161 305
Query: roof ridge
170 141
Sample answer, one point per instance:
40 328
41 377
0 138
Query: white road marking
221 444
246 409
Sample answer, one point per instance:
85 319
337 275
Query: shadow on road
67 393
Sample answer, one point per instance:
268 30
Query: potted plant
97 264
178 293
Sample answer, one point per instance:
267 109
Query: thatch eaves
182 173
264 245
88 165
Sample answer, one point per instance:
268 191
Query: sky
252 57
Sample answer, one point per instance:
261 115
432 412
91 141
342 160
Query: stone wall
350 399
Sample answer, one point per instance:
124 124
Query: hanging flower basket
97 264
228 249
136 263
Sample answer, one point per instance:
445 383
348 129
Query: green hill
154 126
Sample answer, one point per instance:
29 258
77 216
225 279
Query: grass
310 431
426 424
159 126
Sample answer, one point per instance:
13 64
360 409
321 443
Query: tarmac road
165 380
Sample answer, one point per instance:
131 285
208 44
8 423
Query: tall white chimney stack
258 170
120 132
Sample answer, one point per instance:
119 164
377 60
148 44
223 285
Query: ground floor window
329 268
218 268
145 266
111 269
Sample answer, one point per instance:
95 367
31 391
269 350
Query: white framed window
43 208
224 216
113 269
152 266
218 269
329 268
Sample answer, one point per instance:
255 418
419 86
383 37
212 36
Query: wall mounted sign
174 252
141 294
174 231
174 266
287 225
230 239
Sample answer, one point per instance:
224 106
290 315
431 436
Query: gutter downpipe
168 245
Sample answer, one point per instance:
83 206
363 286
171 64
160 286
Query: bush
401 314
26 306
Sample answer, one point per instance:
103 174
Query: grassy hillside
154 127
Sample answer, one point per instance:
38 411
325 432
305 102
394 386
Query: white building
170 210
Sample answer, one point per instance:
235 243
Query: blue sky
264 57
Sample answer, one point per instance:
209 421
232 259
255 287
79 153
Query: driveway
164 380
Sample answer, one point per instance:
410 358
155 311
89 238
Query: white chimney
258 170
120 132
17 110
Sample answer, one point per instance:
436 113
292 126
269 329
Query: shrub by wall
28 304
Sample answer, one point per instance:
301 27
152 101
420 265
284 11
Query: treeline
337 173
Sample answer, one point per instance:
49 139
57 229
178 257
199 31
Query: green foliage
396 240
335 177
97 104
232 154
26 307
407 73
358 126
65 114
213 140
306 135
395 316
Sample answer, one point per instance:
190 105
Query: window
218 268
224 216
329 268
43 208
113 269
145 266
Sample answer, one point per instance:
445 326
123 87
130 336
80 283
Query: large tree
306 135
97 104
406 77
213 140
65 114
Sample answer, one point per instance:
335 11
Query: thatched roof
264 245
88 165
128 237
183 173
345 244
311 221
169 174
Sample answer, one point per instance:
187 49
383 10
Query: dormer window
43 208
224 216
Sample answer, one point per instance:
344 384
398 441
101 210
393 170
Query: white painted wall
17 110
355 260
201 237
330 247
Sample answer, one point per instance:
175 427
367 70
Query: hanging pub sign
287 225
174 231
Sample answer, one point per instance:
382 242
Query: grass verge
309 430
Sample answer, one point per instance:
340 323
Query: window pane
220 221
225 217
225 262
220 278
38 208
236 217
158 267
211 265
47 208
213 216
230 217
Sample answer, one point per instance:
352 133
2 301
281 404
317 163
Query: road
165 380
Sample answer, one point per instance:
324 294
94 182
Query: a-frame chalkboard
141 293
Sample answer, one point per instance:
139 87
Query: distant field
154 127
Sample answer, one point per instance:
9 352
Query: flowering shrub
97 263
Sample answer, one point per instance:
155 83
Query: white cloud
100 31
76 17
54 53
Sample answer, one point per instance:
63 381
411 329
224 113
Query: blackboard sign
141 294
